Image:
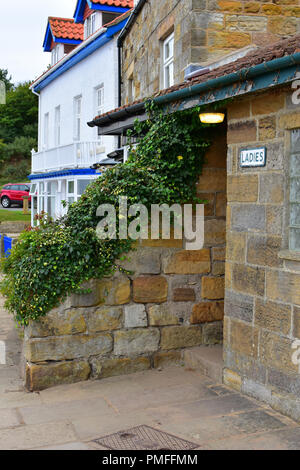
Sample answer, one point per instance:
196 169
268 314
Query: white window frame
50 195
90 25
46 130
54 55
72 195
77 117
57 126
294 193
168 61
82 178
99 100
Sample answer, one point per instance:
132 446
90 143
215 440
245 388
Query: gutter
124 113
233 77
219 82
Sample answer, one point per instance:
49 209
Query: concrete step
208 360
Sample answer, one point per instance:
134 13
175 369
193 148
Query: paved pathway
181 402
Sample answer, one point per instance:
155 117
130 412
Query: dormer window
90 25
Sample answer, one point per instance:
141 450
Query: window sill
289 255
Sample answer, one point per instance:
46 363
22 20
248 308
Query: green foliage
6 79
17 173
6 215
21 110
18 129
53 260
20 148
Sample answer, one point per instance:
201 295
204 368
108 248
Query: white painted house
82 82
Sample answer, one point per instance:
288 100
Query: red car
13 194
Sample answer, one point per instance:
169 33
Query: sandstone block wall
173 300
204 31
262 276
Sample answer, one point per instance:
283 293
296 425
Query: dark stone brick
245 366
182 294
213 333
286 382
252 218
239 306
263 250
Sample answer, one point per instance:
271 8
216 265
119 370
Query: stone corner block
57 323
105 318
42 376
135 316
115 291
175 337
67 347
103 367
150 289
144 260
187 262
138 341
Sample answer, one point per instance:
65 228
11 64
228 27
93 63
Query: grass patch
7 215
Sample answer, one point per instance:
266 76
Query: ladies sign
253 157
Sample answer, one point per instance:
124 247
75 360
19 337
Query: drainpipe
119 83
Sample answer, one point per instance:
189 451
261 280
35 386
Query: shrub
17 173
53 260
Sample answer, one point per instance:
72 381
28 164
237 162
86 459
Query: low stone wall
126 324
13 227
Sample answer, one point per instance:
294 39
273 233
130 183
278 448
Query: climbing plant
53 260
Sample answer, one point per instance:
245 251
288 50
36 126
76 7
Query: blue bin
7 246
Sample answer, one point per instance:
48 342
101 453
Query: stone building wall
204 30
262 299
173 300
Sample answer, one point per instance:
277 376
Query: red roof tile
258 56
115 3
66 28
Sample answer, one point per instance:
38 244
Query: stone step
208 360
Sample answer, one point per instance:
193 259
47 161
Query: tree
18 129
6 79
20 111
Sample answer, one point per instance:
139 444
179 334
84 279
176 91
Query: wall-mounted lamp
211 118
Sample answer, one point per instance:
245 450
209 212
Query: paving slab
27 437
70 411
210 429
9 418
68 446
286 439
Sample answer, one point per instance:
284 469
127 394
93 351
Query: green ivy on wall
53 260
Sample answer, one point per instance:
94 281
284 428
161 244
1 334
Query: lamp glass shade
212 118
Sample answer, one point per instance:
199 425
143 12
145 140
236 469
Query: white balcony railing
76 155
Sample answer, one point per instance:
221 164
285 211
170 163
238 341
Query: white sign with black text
253 157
